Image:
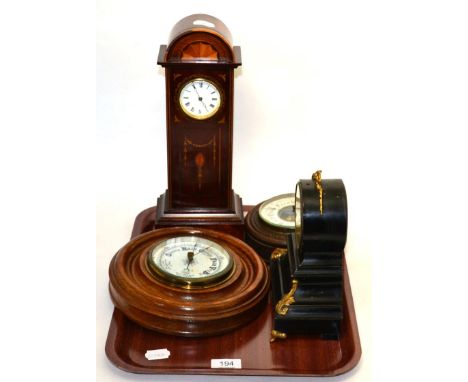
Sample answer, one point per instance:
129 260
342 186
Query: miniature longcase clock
199 64
307 278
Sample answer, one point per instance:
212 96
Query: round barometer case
188 282
269 223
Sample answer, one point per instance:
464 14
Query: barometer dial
190 261
278 211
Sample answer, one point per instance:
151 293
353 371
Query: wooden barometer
188 282
199 64
268 224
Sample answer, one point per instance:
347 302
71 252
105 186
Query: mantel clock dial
200 98
268 224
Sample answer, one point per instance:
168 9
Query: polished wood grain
299 355
199 151
263 237
155 304
231 222
201 23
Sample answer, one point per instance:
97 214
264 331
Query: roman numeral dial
200 98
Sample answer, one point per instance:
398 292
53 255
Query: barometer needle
190 258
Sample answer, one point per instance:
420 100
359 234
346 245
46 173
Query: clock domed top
201 23
200 38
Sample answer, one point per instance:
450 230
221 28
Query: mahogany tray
298 355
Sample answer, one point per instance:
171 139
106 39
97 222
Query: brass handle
282 306
278 253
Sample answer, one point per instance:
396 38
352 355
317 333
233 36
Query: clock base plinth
229 221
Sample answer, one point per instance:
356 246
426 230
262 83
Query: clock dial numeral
200 99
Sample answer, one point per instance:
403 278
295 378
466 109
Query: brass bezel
211 113
298 218
190 283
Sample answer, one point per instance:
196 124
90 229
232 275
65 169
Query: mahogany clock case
199 151
299 355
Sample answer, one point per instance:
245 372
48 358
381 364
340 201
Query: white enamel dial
199 98
278 211
190 260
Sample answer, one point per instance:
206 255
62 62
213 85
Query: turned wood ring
158 305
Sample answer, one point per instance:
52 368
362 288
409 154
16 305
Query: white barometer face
278 211
200 98
190 260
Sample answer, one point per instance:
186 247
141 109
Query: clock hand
199 98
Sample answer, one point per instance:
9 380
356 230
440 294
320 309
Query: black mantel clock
199 64
307 277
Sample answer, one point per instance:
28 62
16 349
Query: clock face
190 261
279 211
298 217
200 98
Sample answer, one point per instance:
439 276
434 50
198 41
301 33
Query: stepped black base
318 300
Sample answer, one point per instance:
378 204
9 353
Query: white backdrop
371 92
